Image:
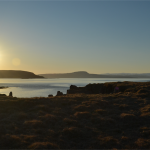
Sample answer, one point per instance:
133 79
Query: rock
50 95
73 87
2 94
71 91
11 94
111 87
59 93
68 91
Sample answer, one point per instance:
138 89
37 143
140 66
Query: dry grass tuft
100 111
124 138
28 137
47 116
34 124
72 132
81 108
145 114
125 115
108 142
145 111
83 115
69 121
143 143
11 141
123 106
43 145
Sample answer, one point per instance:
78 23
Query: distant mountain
17 74
84 74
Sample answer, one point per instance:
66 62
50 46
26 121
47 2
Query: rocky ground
77 121
3 87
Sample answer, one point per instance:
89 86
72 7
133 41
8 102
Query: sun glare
1 52
16 61
0 55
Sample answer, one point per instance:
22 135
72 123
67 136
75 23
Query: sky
65 36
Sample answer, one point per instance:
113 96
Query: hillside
17 74
84 74
120 120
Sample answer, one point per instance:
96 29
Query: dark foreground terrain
77 121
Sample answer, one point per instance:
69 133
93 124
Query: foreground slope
79 121
17 74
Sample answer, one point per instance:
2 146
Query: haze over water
44 87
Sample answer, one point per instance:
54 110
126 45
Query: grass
79 121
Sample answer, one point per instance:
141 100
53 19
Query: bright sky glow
67 36
16 61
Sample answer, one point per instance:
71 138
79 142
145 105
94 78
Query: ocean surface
44 87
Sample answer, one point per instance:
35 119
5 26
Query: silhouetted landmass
84 74
110 87
120 120
18 74
3 87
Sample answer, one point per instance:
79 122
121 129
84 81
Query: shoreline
4 87
102 88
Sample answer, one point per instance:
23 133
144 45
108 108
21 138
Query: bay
43 87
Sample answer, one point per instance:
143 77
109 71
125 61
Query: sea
27 88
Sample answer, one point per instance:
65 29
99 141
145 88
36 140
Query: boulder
2 94
11 94
59 93
73 87
50 95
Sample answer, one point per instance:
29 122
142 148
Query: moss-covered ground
79 121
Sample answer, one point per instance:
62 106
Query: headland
18 74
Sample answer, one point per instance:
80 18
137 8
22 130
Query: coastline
4 87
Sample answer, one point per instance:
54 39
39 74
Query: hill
17 74
84 74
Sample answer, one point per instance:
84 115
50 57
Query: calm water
44 87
